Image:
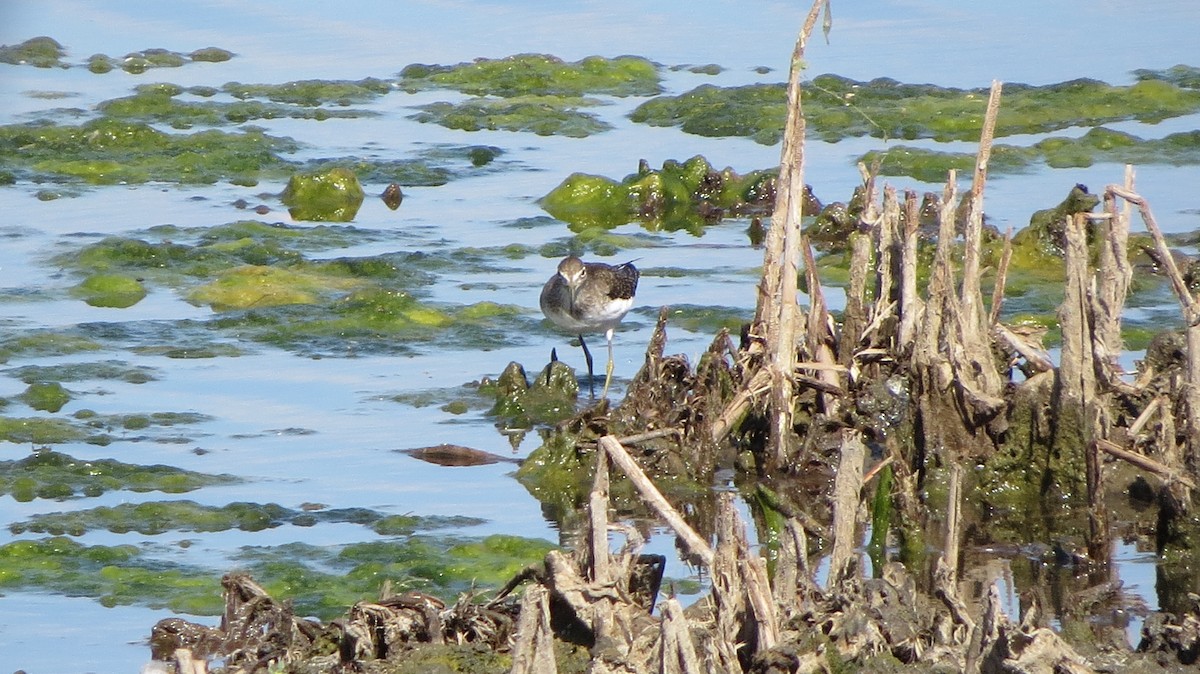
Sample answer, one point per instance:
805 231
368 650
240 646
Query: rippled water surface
324 429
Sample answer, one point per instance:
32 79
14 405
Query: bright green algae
111 290
312 93
534 93
161 103
681 195
320 581
109 151
332 195
112 150
838 107
54 475
46 396
539 75
271 292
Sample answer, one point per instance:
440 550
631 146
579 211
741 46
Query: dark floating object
456 455
392 196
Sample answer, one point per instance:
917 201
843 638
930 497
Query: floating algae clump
839 107
156 517
537 93
320 581
38 431
160 103
313 92
49 474
41 52
545 116
684 195
332 196
46 396
111 290
109 151
261 286
539 75
1099 144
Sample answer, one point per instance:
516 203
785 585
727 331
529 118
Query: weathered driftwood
1191 315
597 549
912 307
1076 372
1016 649
533 651
676 646
846 502
1164 471
657 502
1114 273
973 312
945 573
778 316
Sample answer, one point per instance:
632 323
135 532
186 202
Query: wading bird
590 297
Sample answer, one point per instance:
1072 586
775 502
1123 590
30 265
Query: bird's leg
588 356
609 370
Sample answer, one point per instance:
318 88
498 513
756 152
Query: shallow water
261 401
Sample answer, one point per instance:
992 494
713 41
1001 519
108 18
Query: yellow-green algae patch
46 396
122 147
838 107
332 194
376 320
54 475
39 431
539 75
111 290
261 286
168 254
268 291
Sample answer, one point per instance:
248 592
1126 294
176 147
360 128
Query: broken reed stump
778 316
